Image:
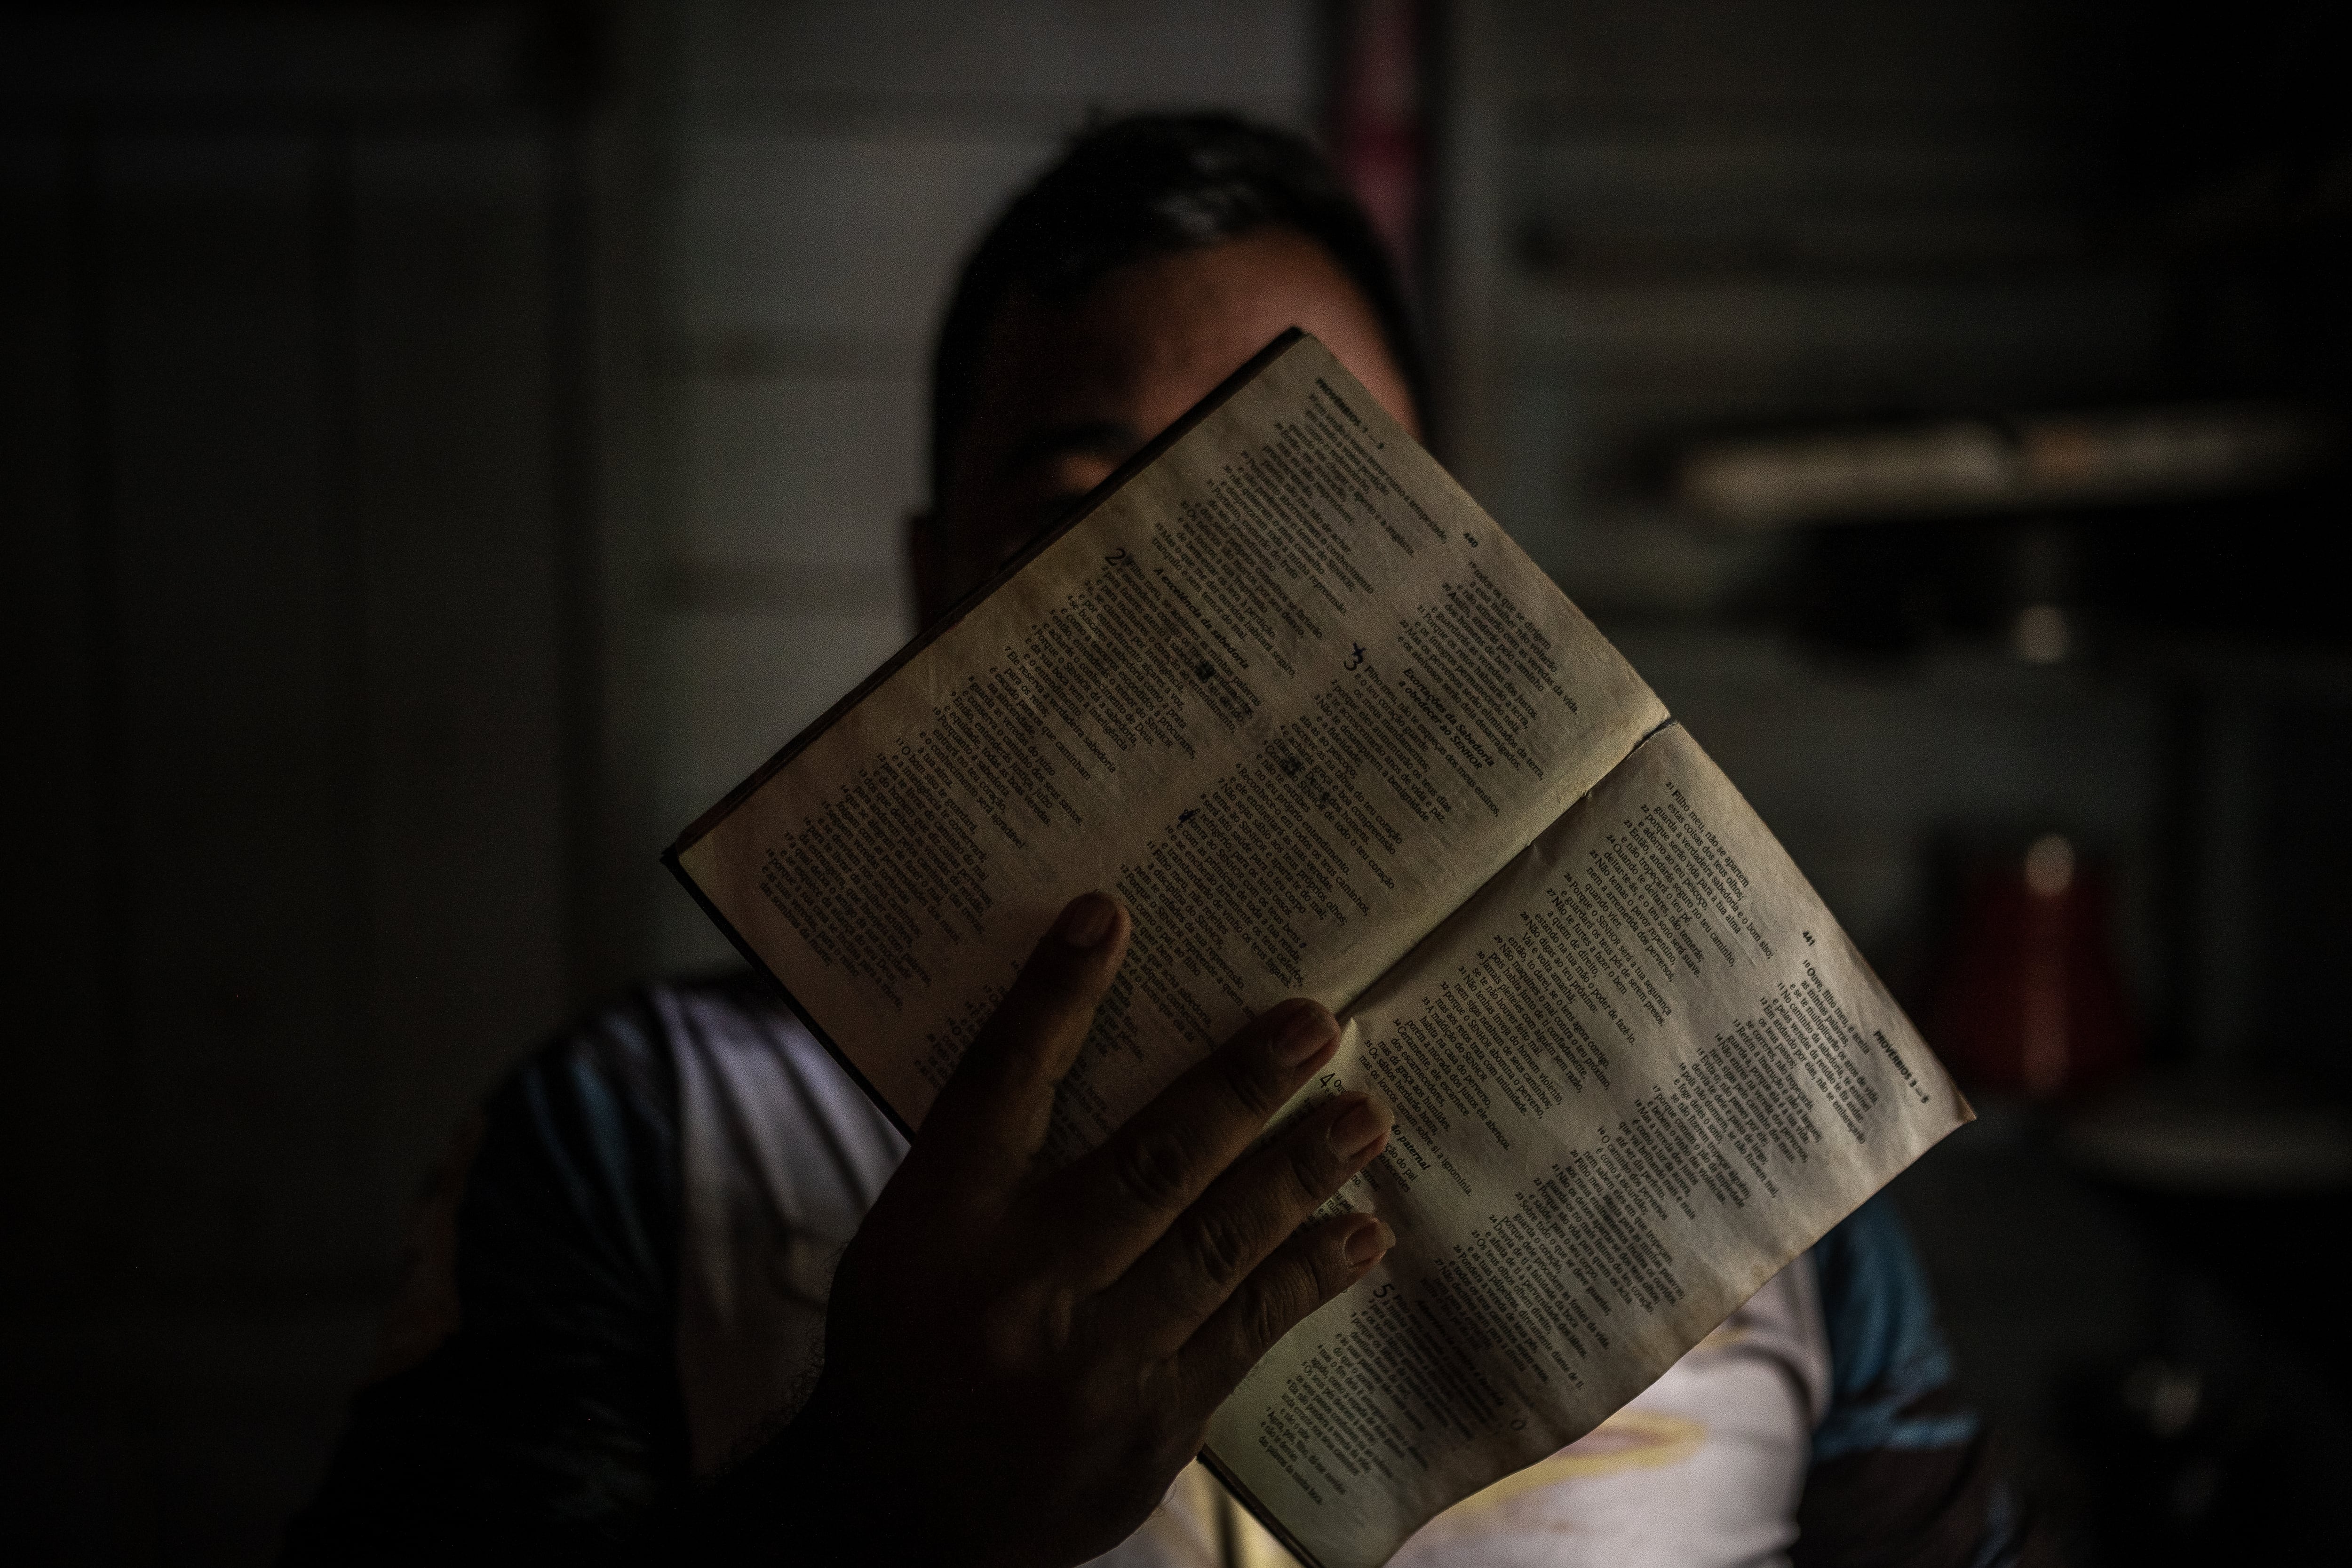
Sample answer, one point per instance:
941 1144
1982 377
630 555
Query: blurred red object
2031 1000
1378 128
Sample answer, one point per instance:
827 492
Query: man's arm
1902 1472
538 1407
1018 1360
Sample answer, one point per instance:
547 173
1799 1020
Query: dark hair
1150 186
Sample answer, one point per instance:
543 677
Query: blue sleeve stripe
1886 1352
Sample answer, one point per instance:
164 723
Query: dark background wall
303 469
443 447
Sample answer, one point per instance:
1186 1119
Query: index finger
990 1120
1124 1194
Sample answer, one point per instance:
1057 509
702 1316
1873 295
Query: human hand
1017 1360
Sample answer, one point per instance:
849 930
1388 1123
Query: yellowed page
1287 691
1636 1074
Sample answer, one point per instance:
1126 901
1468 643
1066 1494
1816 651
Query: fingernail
1088 920
1356 1129
1370 1243
1307 1030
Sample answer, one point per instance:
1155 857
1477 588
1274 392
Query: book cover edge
1257 1509
751 955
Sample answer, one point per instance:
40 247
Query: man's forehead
1114 356
1101 374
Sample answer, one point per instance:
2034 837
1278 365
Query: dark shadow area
443 447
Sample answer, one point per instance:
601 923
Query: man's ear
927 567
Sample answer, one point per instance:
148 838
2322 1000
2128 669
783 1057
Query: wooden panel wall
297 498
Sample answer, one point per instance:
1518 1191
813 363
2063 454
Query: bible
1283 687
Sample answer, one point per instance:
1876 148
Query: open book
1282 687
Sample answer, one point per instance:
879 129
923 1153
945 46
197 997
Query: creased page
1287 691
1635 1075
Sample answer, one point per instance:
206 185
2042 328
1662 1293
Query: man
627 1334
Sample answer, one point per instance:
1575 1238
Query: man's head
1125 283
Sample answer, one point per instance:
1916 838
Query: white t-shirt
781 1154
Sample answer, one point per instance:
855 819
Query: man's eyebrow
1094 437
